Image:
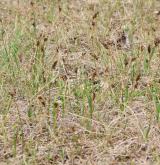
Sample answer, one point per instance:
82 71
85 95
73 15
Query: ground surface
80 82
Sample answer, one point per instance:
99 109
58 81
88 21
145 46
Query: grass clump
79 82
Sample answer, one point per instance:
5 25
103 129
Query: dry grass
80 82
